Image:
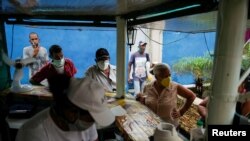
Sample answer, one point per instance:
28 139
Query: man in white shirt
139 61
103 71
78 106
36 51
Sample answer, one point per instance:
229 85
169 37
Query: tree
200 67
246 56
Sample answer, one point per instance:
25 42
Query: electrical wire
162 43
178 39
204 35
149 37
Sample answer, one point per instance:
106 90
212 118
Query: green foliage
246 57
200 67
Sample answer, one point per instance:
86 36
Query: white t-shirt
42 128
42 58
109 83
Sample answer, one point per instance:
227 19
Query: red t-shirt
49 70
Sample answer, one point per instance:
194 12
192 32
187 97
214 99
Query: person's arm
202 108
129 66
39 76
129 71
189 95
25 53
245 108
35 52
141 98
46 56
89 72
33 82
204 102
148 60
202 111
152 65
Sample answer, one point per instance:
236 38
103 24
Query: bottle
197 134
200 125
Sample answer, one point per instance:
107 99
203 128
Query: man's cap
101 53
88 94
141 43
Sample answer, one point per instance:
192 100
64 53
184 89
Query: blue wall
80 43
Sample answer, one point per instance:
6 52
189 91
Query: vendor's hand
175 113
150 77
140 97
129 80
35 52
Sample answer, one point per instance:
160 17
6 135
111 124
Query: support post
121 56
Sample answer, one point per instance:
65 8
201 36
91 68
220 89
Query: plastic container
197 134
166 132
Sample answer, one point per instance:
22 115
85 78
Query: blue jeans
138 86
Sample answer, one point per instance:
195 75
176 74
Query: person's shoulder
68 60
135 53
149 85
113 67
43 48
36 122
92 68
27 48
46 66
175 84
33 129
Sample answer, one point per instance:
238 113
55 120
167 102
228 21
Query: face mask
58 63
103 65
166 82
79 125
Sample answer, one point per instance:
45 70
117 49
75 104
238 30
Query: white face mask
79 125
103 65
58 63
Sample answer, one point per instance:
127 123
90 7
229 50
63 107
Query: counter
138 124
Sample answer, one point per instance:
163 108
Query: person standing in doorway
36 51
139 60
77 107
